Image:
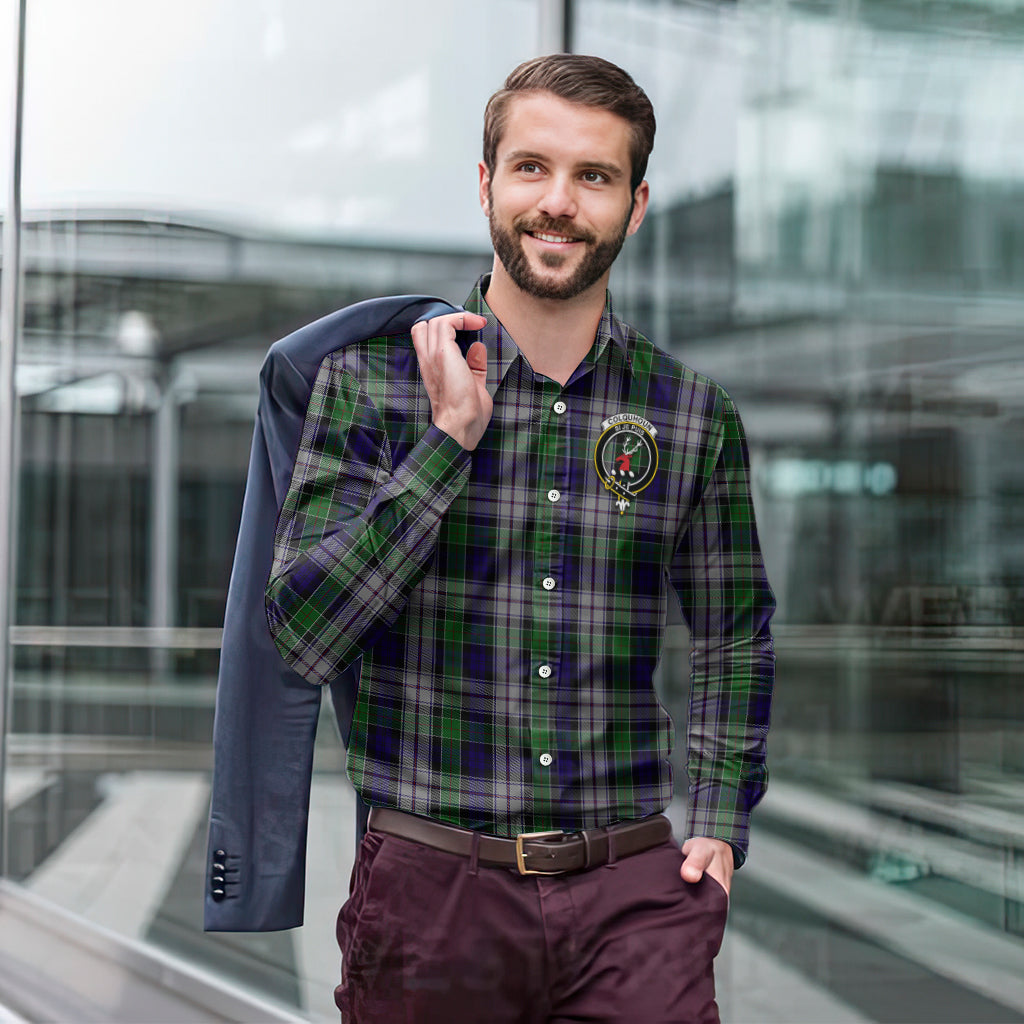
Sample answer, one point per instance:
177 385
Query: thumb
477 357
694 864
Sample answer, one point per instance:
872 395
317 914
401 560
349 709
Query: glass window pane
8 25
357 120
836 236
200 178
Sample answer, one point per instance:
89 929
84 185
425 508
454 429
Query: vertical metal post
10 318
554 24
664 292
163 549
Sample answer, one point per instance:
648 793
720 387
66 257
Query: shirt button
544 671
548 583
545 759
554 495
559 407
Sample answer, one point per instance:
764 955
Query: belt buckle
520 854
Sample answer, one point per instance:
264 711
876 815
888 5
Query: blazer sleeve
260 797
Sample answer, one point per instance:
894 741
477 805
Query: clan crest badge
626 456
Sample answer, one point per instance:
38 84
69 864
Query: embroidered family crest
626 456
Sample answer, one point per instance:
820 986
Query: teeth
551 238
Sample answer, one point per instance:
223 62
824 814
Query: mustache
552 226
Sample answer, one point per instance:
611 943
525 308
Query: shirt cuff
434 470
720 812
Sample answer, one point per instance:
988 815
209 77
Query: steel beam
10 325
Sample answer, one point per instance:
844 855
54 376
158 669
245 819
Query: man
495 532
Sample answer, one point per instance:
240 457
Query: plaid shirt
509 603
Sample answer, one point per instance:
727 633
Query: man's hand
456 386
711 855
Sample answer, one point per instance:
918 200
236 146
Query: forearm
726 599
730 708
336 588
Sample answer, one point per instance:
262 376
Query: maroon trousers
430 937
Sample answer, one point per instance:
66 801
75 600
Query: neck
553 334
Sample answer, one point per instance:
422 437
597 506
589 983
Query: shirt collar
502 349
612 329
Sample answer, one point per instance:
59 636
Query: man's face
559 203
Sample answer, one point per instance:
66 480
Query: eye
529 167
594 177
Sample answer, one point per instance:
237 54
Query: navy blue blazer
266 714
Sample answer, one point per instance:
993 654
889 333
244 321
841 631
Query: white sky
336 117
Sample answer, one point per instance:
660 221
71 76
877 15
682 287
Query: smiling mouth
546 237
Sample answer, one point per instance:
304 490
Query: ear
485 181
640 199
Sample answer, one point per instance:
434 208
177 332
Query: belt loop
474 853
586 849
611 848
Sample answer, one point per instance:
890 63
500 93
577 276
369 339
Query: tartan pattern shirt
509 603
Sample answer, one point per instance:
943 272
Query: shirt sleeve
724 595
355 535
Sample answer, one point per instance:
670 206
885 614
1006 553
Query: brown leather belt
531 853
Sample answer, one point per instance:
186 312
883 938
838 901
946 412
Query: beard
599 255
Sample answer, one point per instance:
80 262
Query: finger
460 321
421 340
472 322
441 330
463 321
477 357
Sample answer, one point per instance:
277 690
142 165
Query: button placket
550 449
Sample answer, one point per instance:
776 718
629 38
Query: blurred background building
836 235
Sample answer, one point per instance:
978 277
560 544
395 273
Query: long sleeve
356 534
725 598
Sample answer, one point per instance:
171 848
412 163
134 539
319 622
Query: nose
559 198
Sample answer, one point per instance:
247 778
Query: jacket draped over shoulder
266 714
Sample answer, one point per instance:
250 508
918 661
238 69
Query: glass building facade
836 235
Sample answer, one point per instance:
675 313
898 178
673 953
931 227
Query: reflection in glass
836 236
200 179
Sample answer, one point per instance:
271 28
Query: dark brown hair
577 78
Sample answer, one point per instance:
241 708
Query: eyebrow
613 171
